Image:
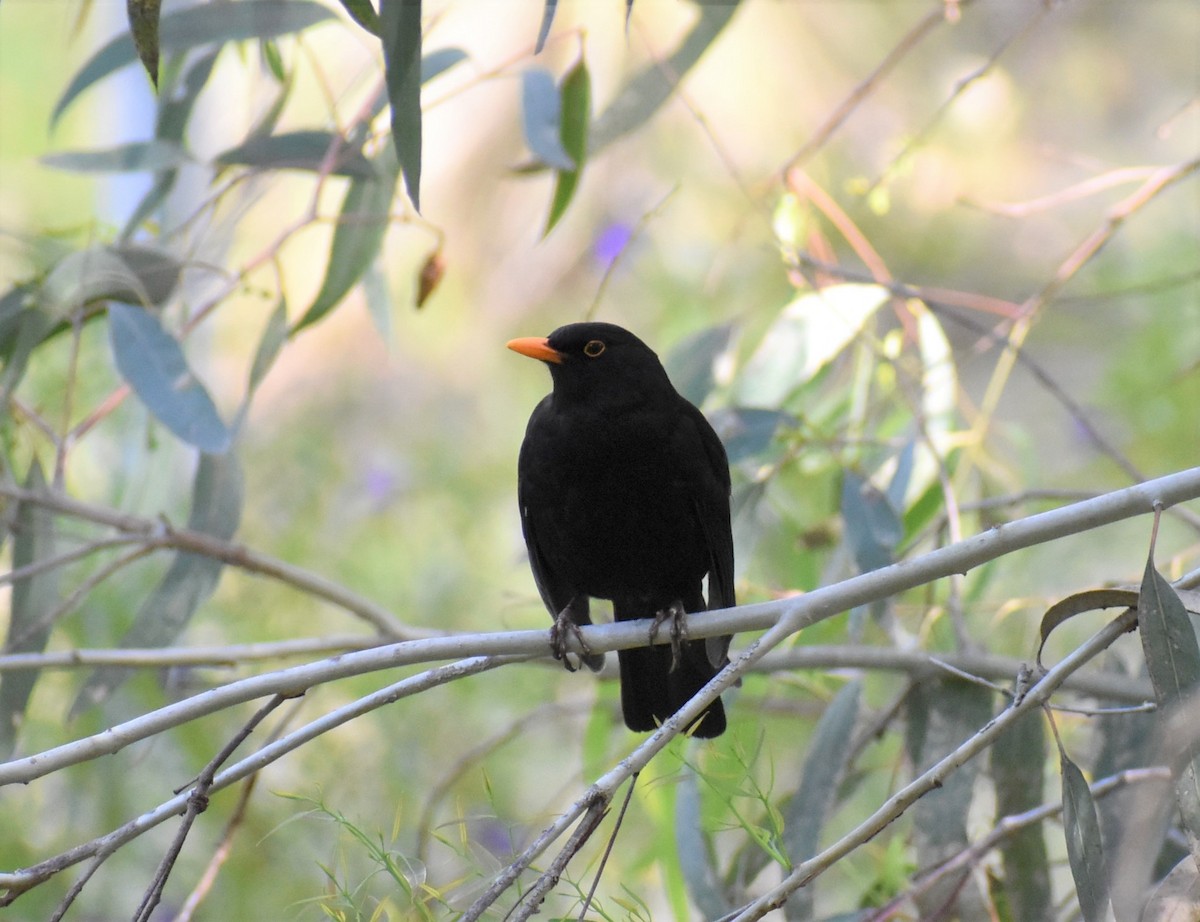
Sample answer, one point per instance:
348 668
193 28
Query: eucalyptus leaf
136 157
400 32
692 362
33 599
1085 851
217 495
143 28
576 112
193 26
153 364
299 150
541 108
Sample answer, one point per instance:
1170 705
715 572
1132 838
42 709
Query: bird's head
600 363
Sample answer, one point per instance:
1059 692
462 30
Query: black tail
651 691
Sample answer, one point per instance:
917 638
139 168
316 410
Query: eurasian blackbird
623 489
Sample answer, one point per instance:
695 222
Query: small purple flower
611 242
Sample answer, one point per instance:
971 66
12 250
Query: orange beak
536 347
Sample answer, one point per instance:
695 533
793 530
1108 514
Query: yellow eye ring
593 348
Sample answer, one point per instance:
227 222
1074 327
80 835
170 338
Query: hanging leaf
33 599
153 364
810 807
400 30
1085 853
691 364
205 24
139 156
363 13
541 107
362 225
1017 764
576 106
188 582
696 859
143 28
873 526
438 62
273 338
547 21
652 86
299 150
1173 660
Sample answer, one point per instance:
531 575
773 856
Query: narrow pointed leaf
153 364
576 104
1089 600
1085 852
1173 660
362 226
33 599
873 526
541 109
363 13
273 338
298 150
647 90
438 62
811 806
1017 764
216 510
136 157
204 24
696 859
143 27
547 21
691 365
400 31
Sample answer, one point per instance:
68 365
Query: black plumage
623 488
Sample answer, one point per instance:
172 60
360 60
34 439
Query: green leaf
363 13
1085 852
362 225
34 598
576 106
540 119
136 157
199 25
273 338
808 334
1173 660
810 807
873 526
400 30
438 62
191 578
1017 764
132 272
153 364
298 150
953 711
652 86
544 28
697 862
143 27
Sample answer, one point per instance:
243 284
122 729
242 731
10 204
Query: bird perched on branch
623 488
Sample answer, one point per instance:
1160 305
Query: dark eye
593 348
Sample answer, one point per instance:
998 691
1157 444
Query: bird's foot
564 627
675 614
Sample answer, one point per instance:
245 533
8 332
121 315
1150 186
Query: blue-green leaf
438 62
576 115
33 599
363 223
153 364
188 582
540 110
199 25
124 158
400 29
273 338
1085 853
143 28
544 28
298 150
691 363
696 859
873 526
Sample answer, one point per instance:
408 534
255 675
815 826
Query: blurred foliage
929 267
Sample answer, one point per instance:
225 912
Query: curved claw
565 627
675 614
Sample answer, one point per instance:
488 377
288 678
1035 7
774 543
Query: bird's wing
532 501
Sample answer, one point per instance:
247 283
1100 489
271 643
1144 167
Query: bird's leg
678 618
566 624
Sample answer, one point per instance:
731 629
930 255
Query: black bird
623 489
